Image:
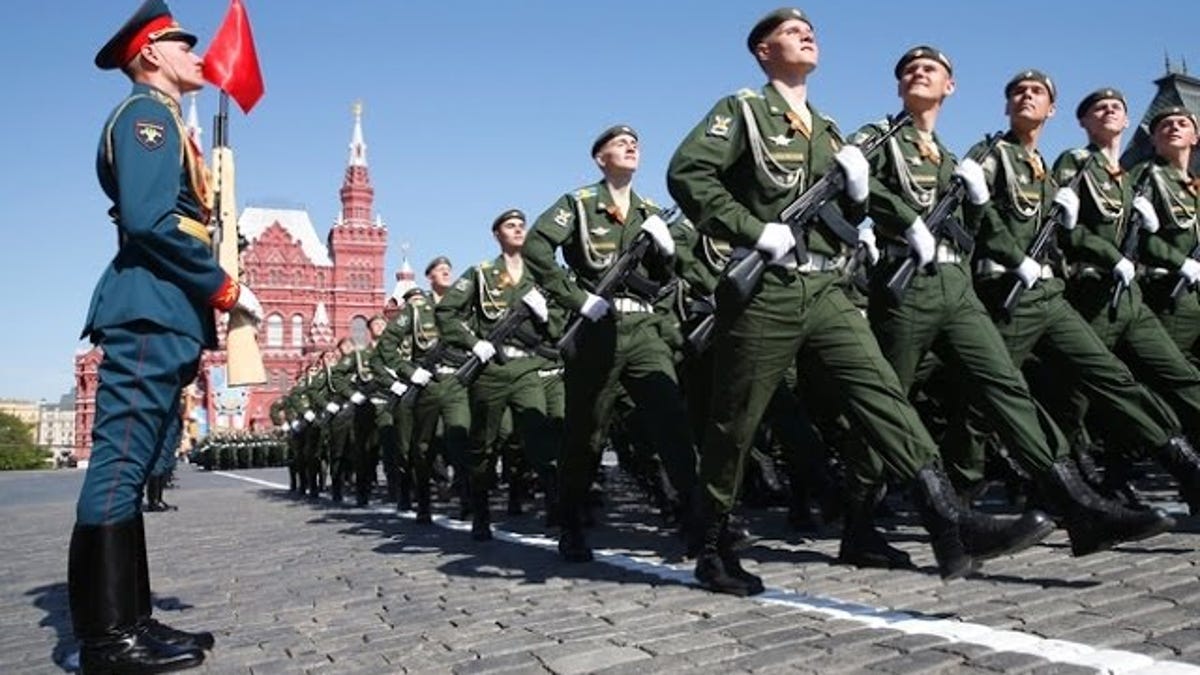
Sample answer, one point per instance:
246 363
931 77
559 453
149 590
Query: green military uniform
940 311
1176 199
406 341
468 312
1022 191
342 439
1092 251
624 350
393 420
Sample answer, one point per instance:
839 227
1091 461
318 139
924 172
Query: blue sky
473 107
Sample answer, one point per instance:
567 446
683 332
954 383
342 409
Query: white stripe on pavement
1113 661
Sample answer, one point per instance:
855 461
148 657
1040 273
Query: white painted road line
1113 661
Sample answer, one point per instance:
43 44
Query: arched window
358 331
297 331
275 331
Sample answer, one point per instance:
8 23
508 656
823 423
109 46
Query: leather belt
626 305
944 254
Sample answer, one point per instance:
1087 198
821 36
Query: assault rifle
1041 242
941 223
428 362
611 282
741 279
1129 244
505 328
1182 285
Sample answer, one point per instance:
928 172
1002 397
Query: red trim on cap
226 296
143 36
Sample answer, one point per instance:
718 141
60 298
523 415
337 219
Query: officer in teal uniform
152 314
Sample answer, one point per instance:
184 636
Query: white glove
1146 210
295 425
1029 271
1067 199
283 426
398 388
1124 270
920 241
420 377
656 228
973 179
357 398
484 350
248 303
536 302
866 239
854 166
776 241
1190 269
332 407
594 307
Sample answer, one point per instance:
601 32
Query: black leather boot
403 490
103 587
1093 522
1180 459
940 512
572 545
550 487
717 566
481 521
160 631
863 545
424 515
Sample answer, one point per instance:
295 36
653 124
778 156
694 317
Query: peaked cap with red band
152 22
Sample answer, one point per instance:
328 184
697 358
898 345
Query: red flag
231 63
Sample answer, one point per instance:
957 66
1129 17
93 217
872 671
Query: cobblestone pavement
295 586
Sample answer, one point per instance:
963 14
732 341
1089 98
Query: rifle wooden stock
1037 250
742 277
902 278
244 363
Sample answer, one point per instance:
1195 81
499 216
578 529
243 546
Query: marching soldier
152 315
940 312
621 342
467 314
394 419
1023 192
753 154
344 400
1109 214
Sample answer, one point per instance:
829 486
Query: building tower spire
358 147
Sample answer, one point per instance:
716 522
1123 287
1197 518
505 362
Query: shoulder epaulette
746 93
585 193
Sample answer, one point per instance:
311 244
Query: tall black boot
1093 522
424 515
481 521
1180 459
863 545
103 587
162 632
516 492
161 485
550 488
403 490
572 545
717 566
151 499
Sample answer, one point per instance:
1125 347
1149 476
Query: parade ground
291 585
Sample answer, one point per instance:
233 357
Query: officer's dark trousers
143 371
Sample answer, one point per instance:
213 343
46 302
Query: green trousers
513 387
1181 319
1140 340
1046 323
626 351
443 400
809 319
941 313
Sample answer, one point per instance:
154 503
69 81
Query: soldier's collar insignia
150 134
720 126
780 140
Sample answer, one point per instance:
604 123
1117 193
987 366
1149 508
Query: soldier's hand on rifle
295 425
1066 198
866 239
309 415
974 181
420 377
594 307
1190 270
920 241
854 166
248 303
332 407
484 350
1029 271
1124 271
1146 210
657 229
776 241
357 398
536 302
398 388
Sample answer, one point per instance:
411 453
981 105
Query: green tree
17 449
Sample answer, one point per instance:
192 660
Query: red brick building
312 293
